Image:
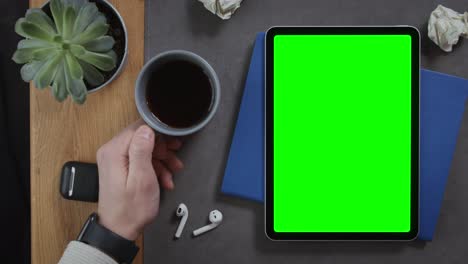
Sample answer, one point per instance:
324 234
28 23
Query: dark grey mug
141 86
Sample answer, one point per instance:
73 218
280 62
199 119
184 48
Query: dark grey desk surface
227 45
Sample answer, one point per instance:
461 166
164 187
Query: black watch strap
117 247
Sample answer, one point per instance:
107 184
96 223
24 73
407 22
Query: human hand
131 168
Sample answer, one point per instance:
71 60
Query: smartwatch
120 249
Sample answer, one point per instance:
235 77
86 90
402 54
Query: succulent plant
66 50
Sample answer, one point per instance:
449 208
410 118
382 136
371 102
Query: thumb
141 148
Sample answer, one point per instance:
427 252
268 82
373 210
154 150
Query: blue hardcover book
243 175
442 106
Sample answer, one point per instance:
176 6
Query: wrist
107 241
126 231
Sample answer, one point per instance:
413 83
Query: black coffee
179 94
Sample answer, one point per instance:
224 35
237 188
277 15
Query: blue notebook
442 106
243 176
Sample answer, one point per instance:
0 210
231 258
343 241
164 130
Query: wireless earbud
216 217
182 211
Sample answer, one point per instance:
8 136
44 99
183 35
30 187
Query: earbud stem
181 226
204 229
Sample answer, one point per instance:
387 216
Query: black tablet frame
415 76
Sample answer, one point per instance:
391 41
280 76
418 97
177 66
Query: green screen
342 133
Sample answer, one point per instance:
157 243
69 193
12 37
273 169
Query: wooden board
64 131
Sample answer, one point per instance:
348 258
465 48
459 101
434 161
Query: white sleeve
81 253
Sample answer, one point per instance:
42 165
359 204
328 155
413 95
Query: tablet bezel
415 91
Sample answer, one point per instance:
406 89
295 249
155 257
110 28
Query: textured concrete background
227 45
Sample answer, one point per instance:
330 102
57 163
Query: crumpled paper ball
223 8
445 27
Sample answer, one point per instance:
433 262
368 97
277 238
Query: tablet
342 133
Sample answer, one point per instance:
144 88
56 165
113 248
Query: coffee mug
152 68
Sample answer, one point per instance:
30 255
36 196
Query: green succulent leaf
79 4
76 88
29 70
67 2
79 85
101 44
76 71
59 88
58 39
23 55
102 61
113 55
56 8
76 4
44 53
85 17
27 55
47 72
92 75
32 31
77 50
34 43
101 18
69 18
38 17
18 28
93 31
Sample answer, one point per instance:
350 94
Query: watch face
92 218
